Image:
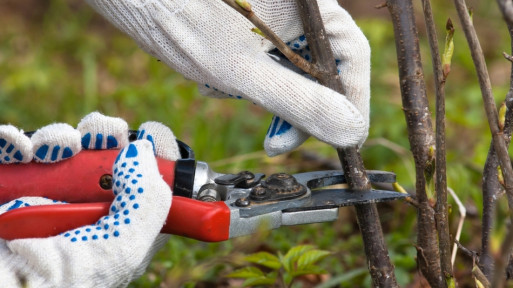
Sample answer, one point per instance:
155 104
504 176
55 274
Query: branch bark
442 218
497 135
491 185
380 267
420 133
323 68
507 10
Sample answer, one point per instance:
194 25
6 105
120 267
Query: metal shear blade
315 197
332 198
313 206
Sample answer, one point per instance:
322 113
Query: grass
60 61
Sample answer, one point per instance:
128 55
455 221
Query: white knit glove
118 247
212 44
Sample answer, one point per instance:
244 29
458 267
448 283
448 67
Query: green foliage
448 48
265 259
299 260
59 60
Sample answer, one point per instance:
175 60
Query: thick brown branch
323 68
490 187
420 132
442 218
380 267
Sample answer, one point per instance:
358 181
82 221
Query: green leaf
246 272
500 175
293 254
311 270
310 258
502 115
265 259
258 31
448 49
244 5
479 284
287 278
267 279
451 283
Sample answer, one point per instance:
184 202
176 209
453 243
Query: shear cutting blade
333 198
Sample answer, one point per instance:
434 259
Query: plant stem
497 135
380 267
420 133
491 185
442 217
507 10
275 39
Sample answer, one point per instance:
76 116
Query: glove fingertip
103 132
282 137
15 147
162 138
55 142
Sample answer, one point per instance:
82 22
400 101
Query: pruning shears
206 206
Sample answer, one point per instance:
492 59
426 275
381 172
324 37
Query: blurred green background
59 60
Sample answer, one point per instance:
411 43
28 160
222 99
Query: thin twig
497 135
466 251
479 276
507 56
382 5
476 272
463 215
412 201
491 185
442 217
410 198
296 59
487 94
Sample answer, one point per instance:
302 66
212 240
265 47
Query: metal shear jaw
283 200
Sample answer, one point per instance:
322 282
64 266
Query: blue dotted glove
118 247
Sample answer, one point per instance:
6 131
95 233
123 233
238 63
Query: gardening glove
210 43
118 247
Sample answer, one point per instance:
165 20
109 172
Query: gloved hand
118 247
210 43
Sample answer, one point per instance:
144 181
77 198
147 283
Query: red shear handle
78 178
187 217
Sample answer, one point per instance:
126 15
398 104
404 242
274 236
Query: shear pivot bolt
242 202
259 193
106 182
